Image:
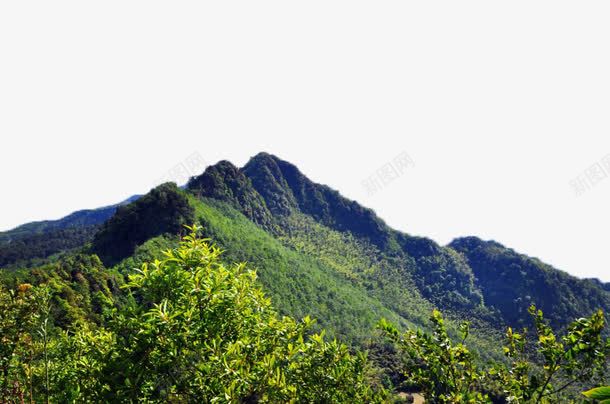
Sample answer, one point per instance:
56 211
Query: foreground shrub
200 331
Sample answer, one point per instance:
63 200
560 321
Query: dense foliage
315 252
227 183
285 189
80 286
511 282
448 372
30 244
299 284
31 250
189 328
462 278
469 279
196 331
163 210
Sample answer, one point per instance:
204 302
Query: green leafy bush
196 330
447 372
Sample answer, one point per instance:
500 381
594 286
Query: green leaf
599 393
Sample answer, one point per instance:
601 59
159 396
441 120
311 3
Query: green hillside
33 243
316 254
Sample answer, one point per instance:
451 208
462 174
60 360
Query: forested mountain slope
321 254
31 243
460 278
511 282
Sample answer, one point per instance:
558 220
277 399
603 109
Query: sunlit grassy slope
313 270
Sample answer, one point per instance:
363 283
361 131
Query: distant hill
511 282
31 243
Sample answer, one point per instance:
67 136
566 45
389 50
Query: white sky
500 105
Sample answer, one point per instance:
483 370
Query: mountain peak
264 156
472 242
286 189
165 209
226 182
268 179
214 180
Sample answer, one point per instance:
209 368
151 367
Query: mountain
315 252
286 190
511 282
318 253
469 275
287 194
164 210
33 242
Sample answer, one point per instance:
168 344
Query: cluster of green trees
511 282
164 210
193 330
466 276
188 328
34 243
300 284
545 369
31 250
76 323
